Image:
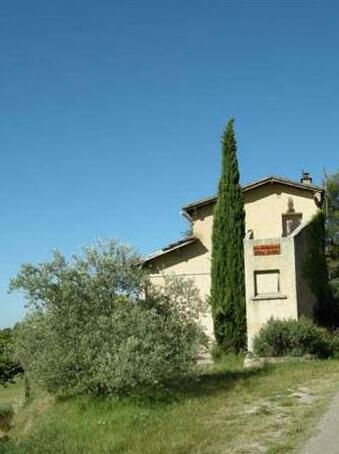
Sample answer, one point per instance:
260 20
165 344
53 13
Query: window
266 282
290 222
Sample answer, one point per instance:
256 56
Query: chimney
305 178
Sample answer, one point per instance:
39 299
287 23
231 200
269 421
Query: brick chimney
305 178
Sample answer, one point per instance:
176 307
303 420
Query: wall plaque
267 249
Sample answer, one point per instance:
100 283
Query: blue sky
111 113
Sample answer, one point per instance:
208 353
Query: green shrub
293 338
97 325
335 344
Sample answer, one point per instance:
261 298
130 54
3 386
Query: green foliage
335 344
293 338
227 272
315 272
332 230
9 367
98 326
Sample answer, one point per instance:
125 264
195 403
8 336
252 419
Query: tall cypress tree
227 273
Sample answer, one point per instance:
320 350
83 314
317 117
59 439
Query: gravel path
325 439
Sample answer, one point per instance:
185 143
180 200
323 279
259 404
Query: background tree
227 273
315 271
331 184
9 367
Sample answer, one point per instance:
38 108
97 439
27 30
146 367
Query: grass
12 394
223 409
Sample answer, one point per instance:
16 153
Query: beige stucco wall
294 297
192 261
282 304
264 207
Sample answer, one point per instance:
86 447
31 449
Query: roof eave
248 187
170 248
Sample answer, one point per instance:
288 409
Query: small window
267 282
290 222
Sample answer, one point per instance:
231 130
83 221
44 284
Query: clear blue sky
111 113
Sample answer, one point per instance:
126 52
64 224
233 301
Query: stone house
277 212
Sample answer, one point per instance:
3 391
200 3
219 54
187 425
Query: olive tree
9 366
97 325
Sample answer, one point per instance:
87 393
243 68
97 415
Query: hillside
221 409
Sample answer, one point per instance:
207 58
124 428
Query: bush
293 338
97 325
335 343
